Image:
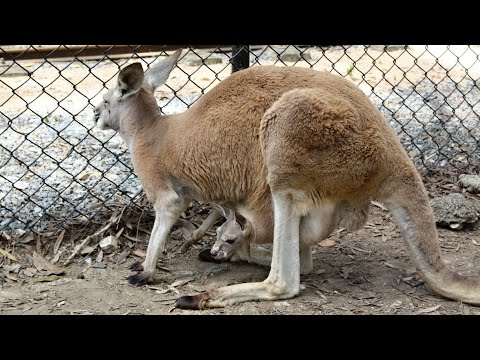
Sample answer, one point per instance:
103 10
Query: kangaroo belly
318 224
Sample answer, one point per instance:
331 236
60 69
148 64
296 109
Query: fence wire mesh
55 167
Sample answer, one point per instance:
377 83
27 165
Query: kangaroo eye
230 241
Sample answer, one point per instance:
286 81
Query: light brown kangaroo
236 237
292 142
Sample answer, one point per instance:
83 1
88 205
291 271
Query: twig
358 249
87 240
188 244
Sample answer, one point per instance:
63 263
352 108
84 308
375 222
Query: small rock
61 281
15 70
21 185
455 211
83 176
108 244
212 61
395 47
471 182
86 250
100 265
202 58
30 272
387 47
290 55
177 234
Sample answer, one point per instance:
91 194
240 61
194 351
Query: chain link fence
56 168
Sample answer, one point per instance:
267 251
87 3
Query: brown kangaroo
287 148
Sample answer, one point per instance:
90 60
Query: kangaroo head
122 103
230 237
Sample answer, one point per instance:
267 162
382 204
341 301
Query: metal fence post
240 57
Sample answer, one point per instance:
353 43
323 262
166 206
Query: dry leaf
139 253
12 267
133 238
181 282
319 293
427 310
29 237
30 272
87 250
281 303
377 204
46 278
99 256
197 288
56 258
58 242
389 265
475 243
163 291
43 264
117 235
10 276
8 255
171 288
384 238
146 231
122 256
326 243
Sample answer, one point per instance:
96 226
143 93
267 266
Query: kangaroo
285 147
231 236
235 238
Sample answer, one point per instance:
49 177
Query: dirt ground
364 272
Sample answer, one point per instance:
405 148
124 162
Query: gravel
55 164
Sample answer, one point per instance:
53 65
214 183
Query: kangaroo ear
231 216
222 210
130 79
158 74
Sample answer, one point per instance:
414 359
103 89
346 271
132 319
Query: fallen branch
80 246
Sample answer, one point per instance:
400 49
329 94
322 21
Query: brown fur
310 138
